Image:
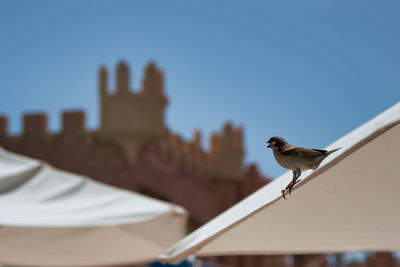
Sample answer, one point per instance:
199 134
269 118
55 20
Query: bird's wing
300 151
322 151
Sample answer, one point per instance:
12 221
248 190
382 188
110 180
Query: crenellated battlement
152 83
73 122
35 124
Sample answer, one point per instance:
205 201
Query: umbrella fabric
49 217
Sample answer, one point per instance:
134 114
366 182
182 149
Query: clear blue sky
309 71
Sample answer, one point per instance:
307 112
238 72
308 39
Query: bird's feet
283 193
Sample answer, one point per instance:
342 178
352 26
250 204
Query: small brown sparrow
296 158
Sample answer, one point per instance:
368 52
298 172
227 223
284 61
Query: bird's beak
268 144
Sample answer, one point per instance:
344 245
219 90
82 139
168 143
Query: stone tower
131 119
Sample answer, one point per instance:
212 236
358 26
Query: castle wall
171 169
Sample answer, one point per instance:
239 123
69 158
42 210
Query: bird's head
276 142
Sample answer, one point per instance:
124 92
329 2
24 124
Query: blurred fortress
133 149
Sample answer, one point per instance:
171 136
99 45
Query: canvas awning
49 217
350 203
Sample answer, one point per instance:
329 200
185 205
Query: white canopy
350 203
50 217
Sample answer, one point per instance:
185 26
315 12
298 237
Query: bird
296 159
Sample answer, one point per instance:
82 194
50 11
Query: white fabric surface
350 203
49 217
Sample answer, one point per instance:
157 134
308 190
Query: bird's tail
325 155
331 151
